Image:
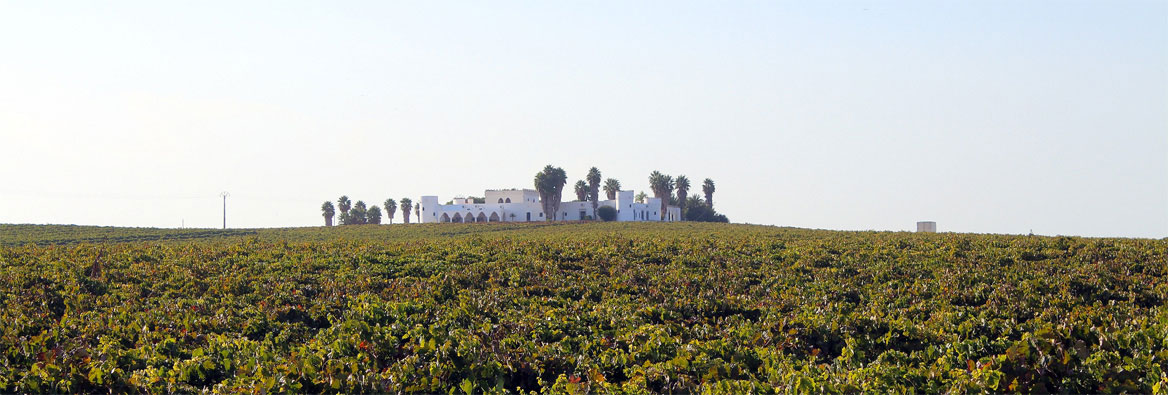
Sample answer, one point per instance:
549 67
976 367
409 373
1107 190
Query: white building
523 205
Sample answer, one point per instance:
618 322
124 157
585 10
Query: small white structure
523 205
926 227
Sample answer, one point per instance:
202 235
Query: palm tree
550 185
344 205
641 196
357 215
418 211
581 190
611 187
694 201
662 186
390 208
405 205
327 210
593 186
708 188
682 191
373 216
699 212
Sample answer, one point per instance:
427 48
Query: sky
987 117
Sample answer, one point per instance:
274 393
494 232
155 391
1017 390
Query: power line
291 197
76 195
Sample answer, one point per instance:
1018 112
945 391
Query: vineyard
577 308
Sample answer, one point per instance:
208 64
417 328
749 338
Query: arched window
500 200
508 200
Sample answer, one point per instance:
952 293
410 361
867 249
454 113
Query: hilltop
21 234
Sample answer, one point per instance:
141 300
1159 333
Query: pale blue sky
985 116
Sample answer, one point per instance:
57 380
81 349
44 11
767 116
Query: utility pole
224 195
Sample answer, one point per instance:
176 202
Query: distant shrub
704 214
606 213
